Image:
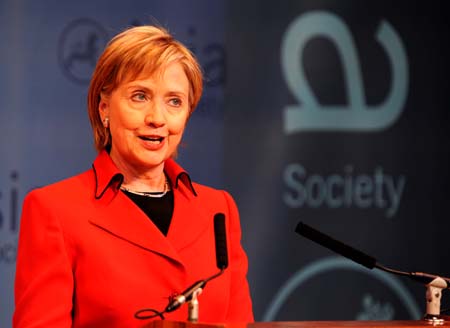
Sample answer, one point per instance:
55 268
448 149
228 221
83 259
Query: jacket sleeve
44 281
240 306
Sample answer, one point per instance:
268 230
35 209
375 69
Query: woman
133 231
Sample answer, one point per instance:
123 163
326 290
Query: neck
146 185
144 180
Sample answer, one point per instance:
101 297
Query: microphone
221 241
358 256
185 296
336 246
220 238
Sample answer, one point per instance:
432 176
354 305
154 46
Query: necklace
152 194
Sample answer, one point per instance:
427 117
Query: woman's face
147 117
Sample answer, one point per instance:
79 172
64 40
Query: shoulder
210 196
68 188
207 191
61 206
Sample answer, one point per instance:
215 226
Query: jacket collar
107 175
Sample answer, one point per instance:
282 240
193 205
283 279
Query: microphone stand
433 295
193 306
434 284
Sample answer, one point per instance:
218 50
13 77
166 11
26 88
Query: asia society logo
80 44
308 114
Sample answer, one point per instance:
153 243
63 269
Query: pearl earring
106 122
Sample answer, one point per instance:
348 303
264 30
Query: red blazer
89 257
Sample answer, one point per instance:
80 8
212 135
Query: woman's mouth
152 139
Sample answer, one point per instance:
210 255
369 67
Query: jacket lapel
122 218
115 213
189 222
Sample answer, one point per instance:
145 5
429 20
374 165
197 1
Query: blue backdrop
334 113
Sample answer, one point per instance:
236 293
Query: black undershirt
159 210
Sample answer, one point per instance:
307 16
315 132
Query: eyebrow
138 86
178 93
149 89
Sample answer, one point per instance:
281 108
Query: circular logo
355 293
80 44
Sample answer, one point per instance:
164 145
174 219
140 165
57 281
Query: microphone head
221 241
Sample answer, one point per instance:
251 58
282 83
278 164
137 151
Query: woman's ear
103 107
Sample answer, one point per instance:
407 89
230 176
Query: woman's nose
155 115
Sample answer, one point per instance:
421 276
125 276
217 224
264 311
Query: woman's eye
175 102
139 96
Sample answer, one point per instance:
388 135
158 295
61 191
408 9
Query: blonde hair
133 52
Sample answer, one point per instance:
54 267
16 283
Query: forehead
173 74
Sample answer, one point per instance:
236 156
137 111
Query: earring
106 122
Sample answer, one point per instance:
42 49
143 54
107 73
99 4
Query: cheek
122 120
177 125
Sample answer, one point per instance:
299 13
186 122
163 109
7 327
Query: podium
302 324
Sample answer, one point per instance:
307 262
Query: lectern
304 324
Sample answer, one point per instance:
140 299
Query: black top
159 210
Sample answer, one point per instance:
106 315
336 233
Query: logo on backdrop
377 190
9 219
308 114
80 44
370 307
345 187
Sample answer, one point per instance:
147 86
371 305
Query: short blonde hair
130 54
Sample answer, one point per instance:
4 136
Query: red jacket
89 257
